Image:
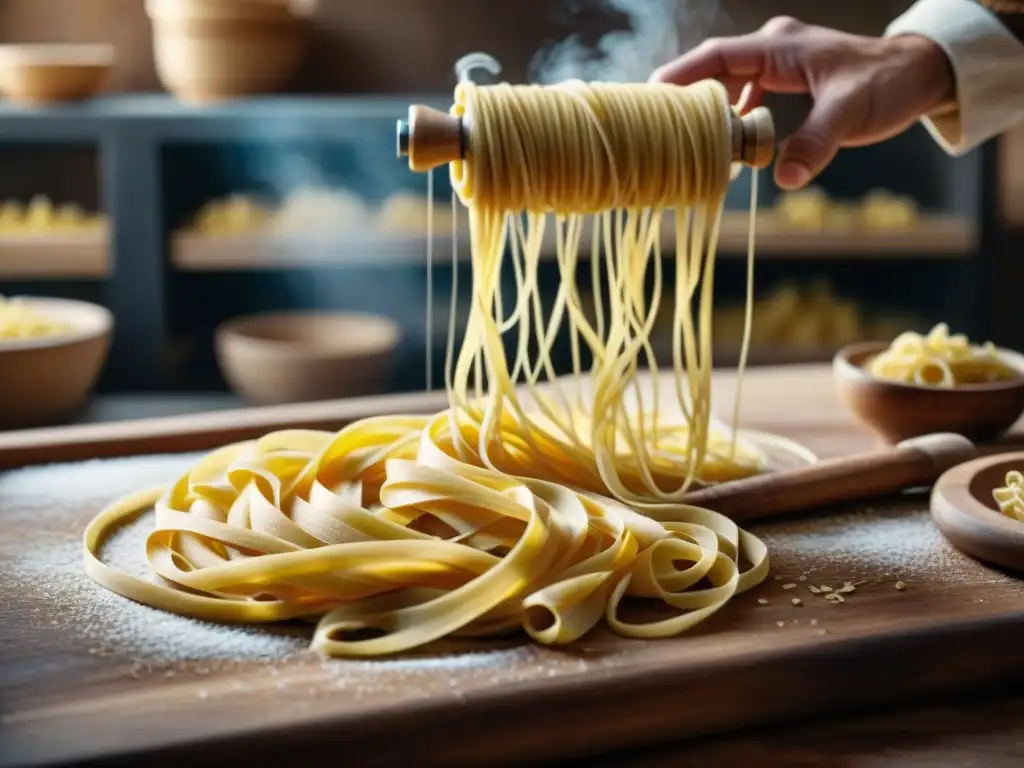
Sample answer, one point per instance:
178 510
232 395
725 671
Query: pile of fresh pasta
938 359
533 502
19 320
42 215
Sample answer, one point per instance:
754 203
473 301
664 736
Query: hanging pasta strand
523 505
562 152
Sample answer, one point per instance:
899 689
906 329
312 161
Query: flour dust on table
55 502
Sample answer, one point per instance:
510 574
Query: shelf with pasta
41 239
311 227
871 229
322 227
810 222
792 324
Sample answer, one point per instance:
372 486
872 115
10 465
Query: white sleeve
988 64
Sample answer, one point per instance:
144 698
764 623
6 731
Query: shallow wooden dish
45 380
897 411
40 74
300 356
964 510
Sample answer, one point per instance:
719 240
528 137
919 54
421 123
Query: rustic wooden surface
84 675
970 733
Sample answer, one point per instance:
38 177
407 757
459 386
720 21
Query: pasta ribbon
380 530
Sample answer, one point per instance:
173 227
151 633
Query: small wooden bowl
45 380
301 356
42 74
964 510
897 411
209 50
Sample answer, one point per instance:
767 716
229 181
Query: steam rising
325 195
659 31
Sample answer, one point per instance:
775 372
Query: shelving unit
192 252
143 260
933 237
55 255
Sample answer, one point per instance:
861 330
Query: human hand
865 89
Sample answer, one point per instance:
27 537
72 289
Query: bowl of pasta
935 382
51 354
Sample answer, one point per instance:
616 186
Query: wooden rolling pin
430 137
913 463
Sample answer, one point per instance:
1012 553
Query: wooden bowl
40 74
897 411
964 510
45 380
207 50
300 356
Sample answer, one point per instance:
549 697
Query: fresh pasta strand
428 328
627 178
523 506
939 359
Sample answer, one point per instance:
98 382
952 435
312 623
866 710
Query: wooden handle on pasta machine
911 464
430 137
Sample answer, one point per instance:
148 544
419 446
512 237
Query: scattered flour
98 479
57 501
899 540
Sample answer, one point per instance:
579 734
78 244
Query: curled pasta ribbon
939 359
380 529
1010 497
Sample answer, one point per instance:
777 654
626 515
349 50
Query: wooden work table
67 694
979 732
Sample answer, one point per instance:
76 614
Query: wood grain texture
971 733
78 685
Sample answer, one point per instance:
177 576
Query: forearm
986 52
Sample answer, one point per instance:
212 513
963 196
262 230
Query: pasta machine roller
430 137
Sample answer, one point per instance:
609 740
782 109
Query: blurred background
234 158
